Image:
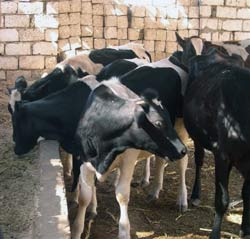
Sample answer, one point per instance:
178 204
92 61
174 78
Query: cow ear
150 94
21 84
180 41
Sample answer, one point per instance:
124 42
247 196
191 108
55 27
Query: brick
171 47
87 31
193 24
98 21
150 34
44 48
97 9
1 21
63 19
1 49
183 23
8 7
137 22
121 10
112 42
17 21
212 2
206 35
151 11
160 56
12 75
36 74
161 23
122 22
75 42
99 43
122 33
30 8
111 21
161 35
64 32
17 49
50 62
31 62
248 3
52 8
205 11
31 35
149 45
8 35
63 45
225 36
183 33
98 32
160 45
209 23
3 76
150 22
51 35
46 21
64 6
87 43
173 12
100 1
75 30
232 25
110 32
161 12
133 34
109 10
184 2
226 12
241 35
172 24
87 8
193 33
246 25
75 5
8 62
138 11
171 36
193 12
243 13
74 18
86 19
236 3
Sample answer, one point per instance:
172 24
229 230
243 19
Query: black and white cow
109 125
69 70
216 116
168 77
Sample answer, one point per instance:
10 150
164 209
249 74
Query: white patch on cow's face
198 45
14 96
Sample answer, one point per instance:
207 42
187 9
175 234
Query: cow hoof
196 202
151 198
182 208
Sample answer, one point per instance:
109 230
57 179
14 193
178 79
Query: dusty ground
18 182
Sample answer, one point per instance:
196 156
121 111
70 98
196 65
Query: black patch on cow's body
108 55
116 69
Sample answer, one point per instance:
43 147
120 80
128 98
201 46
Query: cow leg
222 171
245 225
199 158
68 165
145 180
157 184
182 201
86 185
122 191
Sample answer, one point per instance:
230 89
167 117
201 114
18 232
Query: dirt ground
19 182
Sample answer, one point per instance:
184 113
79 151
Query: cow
100 125
168 77
197 46
69 70
216 117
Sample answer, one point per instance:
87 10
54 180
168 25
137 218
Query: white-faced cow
216 116
109 125
168 77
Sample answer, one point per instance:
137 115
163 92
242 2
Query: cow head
112 123
191 46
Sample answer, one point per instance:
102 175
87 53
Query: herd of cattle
114 106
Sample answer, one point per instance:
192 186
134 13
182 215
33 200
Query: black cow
216 117
109 125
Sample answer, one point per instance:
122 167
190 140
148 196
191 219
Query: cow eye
158 124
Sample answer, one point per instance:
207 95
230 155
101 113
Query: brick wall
33 33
